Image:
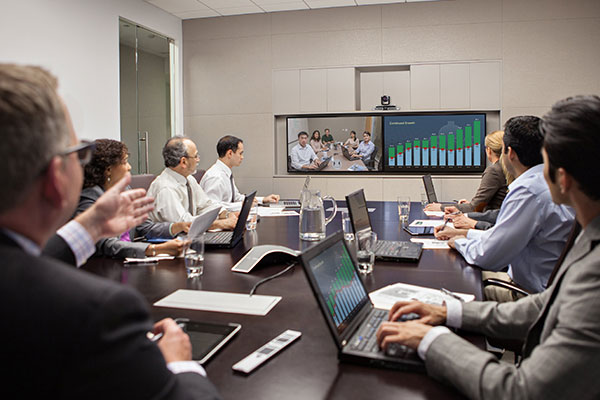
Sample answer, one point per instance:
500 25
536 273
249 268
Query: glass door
145 93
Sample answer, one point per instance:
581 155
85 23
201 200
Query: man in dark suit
67 333
560 326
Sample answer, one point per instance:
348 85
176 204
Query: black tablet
417 230
207 338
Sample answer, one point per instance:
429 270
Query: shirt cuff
79 240
429 338
260 199
453 313
474 233
181 367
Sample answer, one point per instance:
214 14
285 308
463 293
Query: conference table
308 368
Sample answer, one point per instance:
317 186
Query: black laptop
228 239
348 311
388 250
346 153
429 189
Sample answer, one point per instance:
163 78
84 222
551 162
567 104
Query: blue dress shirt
529 235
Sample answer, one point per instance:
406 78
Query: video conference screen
434 143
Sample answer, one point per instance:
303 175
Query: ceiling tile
368 2
197 14
329 3
214 4
174 6
253 9
290 6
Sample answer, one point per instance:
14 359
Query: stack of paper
386 296
432 244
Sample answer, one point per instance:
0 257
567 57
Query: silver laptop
292 203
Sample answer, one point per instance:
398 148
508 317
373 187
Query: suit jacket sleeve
58 249
151 229
116 357
493 185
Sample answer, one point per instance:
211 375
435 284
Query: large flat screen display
450 143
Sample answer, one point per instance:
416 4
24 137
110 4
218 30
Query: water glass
193 256
252 218
366 251
403 207
424 200
347 226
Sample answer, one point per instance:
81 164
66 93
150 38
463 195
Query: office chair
141 181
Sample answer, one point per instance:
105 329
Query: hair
34 128
494 142
313 135
507 175
327 129
523 135
107 153
367 132
302 133
174 149
228 143
572 141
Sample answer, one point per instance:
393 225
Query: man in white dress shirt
365 148
175 187
218 182
303 156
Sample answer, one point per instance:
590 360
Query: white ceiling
188 9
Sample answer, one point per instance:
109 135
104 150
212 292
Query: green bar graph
442 142
425 144
459 139
451 141
477 131
434 142
468 138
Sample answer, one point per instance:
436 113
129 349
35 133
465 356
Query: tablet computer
417 230
207 338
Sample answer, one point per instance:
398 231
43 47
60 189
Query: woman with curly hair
108 165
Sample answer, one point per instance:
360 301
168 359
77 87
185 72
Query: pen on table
158 336
449 293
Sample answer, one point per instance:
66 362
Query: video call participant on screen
218 183
177 195
315 142
530 231
352 141
69 334
560 327
303 156
365 148
108 165
492 189
327 138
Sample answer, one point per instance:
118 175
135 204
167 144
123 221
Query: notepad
432 244
422 223
434 213
236 303
386 296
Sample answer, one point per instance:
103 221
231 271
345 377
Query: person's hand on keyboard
428 313
409 333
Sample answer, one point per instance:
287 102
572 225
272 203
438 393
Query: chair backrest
141 181
199 174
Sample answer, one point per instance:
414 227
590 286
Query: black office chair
142 181
370 161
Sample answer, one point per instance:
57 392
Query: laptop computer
388 250
348 311
204 220
324 163
429 189
228 239
346 153
292 203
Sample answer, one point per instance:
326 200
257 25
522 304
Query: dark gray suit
68 334
561 328
115 247
491 192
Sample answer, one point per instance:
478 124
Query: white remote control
251 362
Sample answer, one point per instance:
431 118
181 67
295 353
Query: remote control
252 361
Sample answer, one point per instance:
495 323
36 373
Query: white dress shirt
216 183
529 235
365 149
170 194
302 156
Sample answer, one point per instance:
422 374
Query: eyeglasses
84 151
197 156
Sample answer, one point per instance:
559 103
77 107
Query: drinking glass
347 226
403 208
193 256
424 200
366 251
252 218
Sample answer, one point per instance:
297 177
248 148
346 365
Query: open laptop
348 311
204 220
228 239
388 250
346 153
429 189
292 203
324 163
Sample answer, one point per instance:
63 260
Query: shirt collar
223 167
535 170
182 180
26 244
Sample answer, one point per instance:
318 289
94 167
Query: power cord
290 266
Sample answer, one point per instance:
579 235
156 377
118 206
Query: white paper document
386 296
237 303
432 244
340 209
434 213
275 212
147 260
422 223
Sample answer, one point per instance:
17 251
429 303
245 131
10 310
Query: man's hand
451 210
452 241
463 222
226 224
442 232
272 198
172 247
433 207
463 201
409 333
175 344
430 314
116 211
179 227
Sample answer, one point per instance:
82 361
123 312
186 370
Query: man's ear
564 179
52 187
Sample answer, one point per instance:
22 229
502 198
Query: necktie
190 198
232 188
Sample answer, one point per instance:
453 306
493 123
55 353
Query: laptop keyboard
396 249
220 237
366 338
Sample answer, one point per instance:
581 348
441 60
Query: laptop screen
359 214
429 189
338 284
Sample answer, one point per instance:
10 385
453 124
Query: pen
448 219
158 336
449 293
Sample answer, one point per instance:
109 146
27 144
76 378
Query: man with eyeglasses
177 195
67 333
